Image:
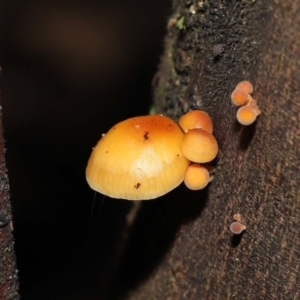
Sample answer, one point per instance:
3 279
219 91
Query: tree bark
180 246
8 269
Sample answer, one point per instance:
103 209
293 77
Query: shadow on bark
153 234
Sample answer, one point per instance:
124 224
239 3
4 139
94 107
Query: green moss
152 110
180 23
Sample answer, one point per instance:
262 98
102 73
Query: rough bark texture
180 246
8 270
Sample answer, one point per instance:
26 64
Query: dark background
70 70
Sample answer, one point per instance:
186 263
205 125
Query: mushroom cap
196 177
239 97
199 146
138 159
246 86
237 227
196 119
246 115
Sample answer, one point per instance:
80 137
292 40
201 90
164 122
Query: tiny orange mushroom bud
246 86
196 177
238 217
254 105
246 115
199 146
239 97
237 227
138 159
196 119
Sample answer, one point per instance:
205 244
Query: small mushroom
199 146
196 177
239 97
238 217
196 119
246 115
246 86
237 227
138 159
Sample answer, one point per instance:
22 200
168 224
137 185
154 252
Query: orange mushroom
196 177
196 119
246 86
138 159
199 146
253 104
246 115
239 97
237 227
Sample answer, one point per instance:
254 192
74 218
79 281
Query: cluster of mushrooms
145 157
241 96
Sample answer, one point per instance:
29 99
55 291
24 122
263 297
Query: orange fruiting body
253 104
238 217
237 227
246 115
246 86
138 159
199 146
196 177
239 97
249 110
196 119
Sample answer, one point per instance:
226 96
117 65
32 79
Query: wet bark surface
180 246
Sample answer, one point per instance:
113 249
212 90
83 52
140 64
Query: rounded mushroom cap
246 115
237 227
196 177
239 97
246 86
196 119
138 159
199 146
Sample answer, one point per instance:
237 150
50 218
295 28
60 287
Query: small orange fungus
238 217
196 177
196 119
246 115
239 97
246 86
199 146
253 104
237 227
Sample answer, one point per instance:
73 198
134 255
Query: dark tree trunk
180 246
8 269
